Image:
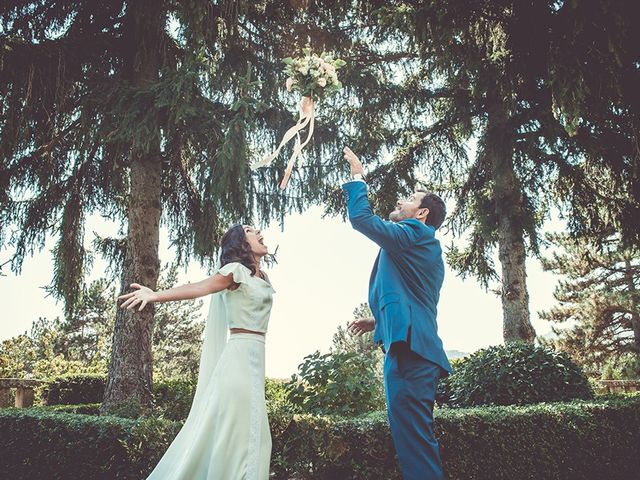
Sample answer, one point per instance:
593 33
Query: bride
226 435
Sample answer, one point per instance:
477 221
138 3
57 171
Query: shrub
85 409
516 374
74 389
172 398
444 392
53 445
336 383
579 440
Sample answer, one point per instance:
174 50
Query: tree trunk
130 371
508 202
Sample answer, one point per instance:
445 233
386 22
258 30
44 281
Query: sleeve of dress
240 273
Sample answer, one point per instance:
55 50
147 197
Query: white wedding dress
226 435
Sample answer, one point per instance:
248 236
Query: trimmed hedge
578 440
41 444
171 397
83 408
74 389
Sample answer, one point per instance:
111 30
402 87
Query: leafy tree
35 355
506 75
17 357
85 334
147 112
597 318
177 337
344 342
81 342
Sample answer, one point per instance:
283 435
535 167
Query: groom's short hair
436 206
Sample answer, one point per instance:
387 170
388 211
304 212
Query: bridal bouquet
314 77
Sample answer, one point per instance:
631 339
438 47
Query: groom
403 294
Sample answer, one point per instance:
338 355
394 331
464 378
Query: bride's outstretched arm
143 295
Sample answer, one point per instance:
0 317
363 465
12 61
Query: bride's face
255 241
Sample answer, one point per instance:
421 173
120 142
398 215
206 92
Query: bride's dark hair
235 248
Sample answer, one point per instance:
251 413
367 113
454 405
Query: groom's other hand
361 326
354 162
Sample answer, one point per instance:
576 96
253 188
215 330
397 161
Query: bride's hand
142 296
361 326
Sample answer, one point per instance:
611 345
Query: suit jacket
405 283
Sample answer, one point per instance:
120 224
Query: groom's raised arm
387 234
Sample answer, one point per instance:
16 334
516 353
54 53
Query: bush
336 384
579 440
74 389
85 409
515 374
41 444
444 393
172 398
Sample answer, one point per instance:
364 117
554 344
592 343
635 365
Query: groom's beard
395 216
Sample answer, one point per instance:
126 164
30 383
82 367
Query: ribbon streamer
307 117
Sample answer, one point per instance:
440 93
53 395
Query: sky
321 276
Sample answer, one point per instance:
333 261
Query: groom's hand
361 326
354 162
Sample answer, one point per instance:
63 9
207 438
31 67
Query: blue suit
404 289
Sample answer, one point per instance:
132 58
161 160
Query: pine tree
597 319
147 112
594 73
177 334
85 333
506 77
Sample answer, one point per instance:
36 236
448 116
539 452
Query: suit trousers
410 386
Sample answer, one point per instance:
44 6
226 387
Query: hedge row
172 398
83 408
577 440
73 442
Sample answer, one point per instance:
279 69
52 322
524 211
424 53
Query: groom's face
409 208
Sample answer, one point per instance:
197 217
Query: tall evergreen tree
107 108
178 330
594 72
597 318
148 112
505 80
